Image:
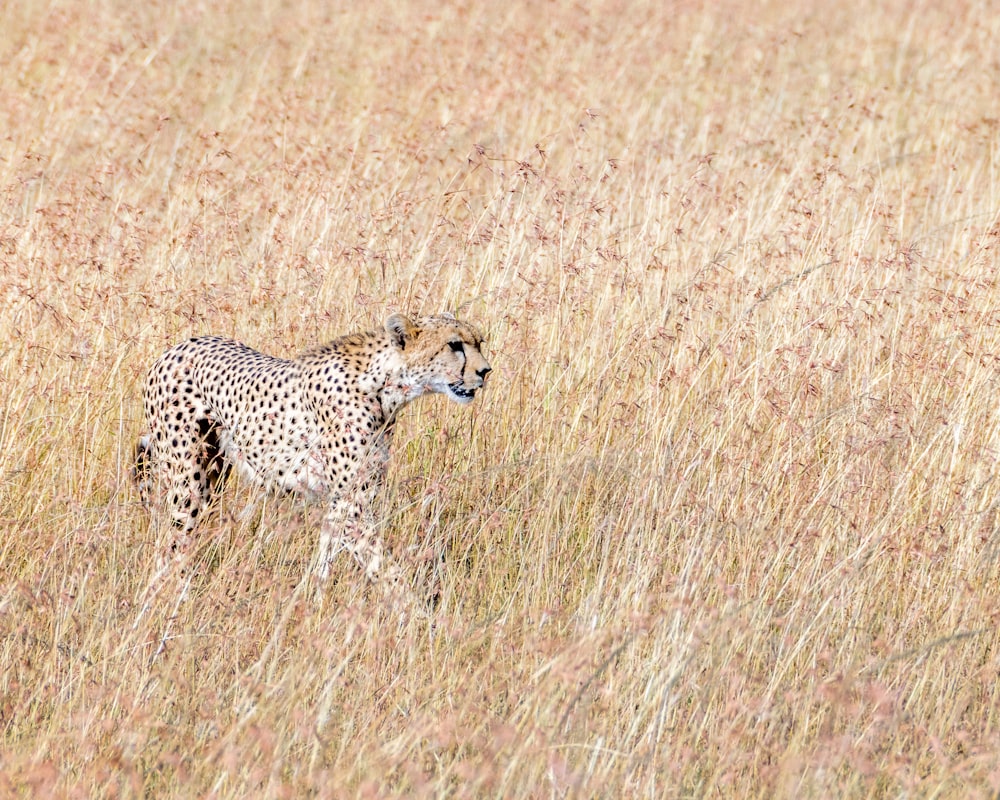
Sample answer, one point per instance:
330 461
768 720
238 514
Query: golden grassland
724 523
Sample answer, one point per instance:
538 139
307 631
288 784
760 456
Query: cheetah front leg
343 530
348 528
350 524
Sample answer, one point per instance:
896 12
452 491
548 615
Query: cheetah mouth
460 393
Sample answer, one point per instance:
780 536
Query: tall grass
724 522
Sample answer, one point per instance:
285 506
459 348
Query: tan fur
320 424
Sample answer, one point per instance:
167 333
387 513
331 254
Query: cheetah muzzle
460 393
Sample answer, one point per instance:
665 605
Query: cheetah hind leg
215 464
191 479
211 468
180 484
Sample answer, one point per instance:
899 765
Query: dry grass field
723 524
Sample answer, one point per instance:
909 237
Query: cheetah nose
484 371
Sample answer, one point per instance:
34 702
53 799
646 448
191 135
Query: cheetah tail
142 468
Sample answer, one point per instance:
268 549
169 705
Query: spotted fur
319 425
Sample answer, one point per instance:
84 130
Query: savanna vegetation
723 524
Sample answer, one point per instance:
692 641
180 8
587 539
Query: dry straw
725 522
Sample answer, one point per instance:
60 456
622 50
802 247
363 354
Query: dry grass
725 523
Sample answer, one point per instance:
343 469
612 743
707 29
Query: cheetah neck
394 389
381 371
397 392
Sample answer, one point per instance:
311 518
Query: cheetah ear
400 329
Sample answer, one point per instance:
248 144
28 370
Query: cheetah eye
457 347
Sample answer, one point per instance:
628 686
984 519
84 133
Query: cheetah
319 425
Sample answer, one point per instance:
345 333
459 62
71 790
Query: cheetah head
442 354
